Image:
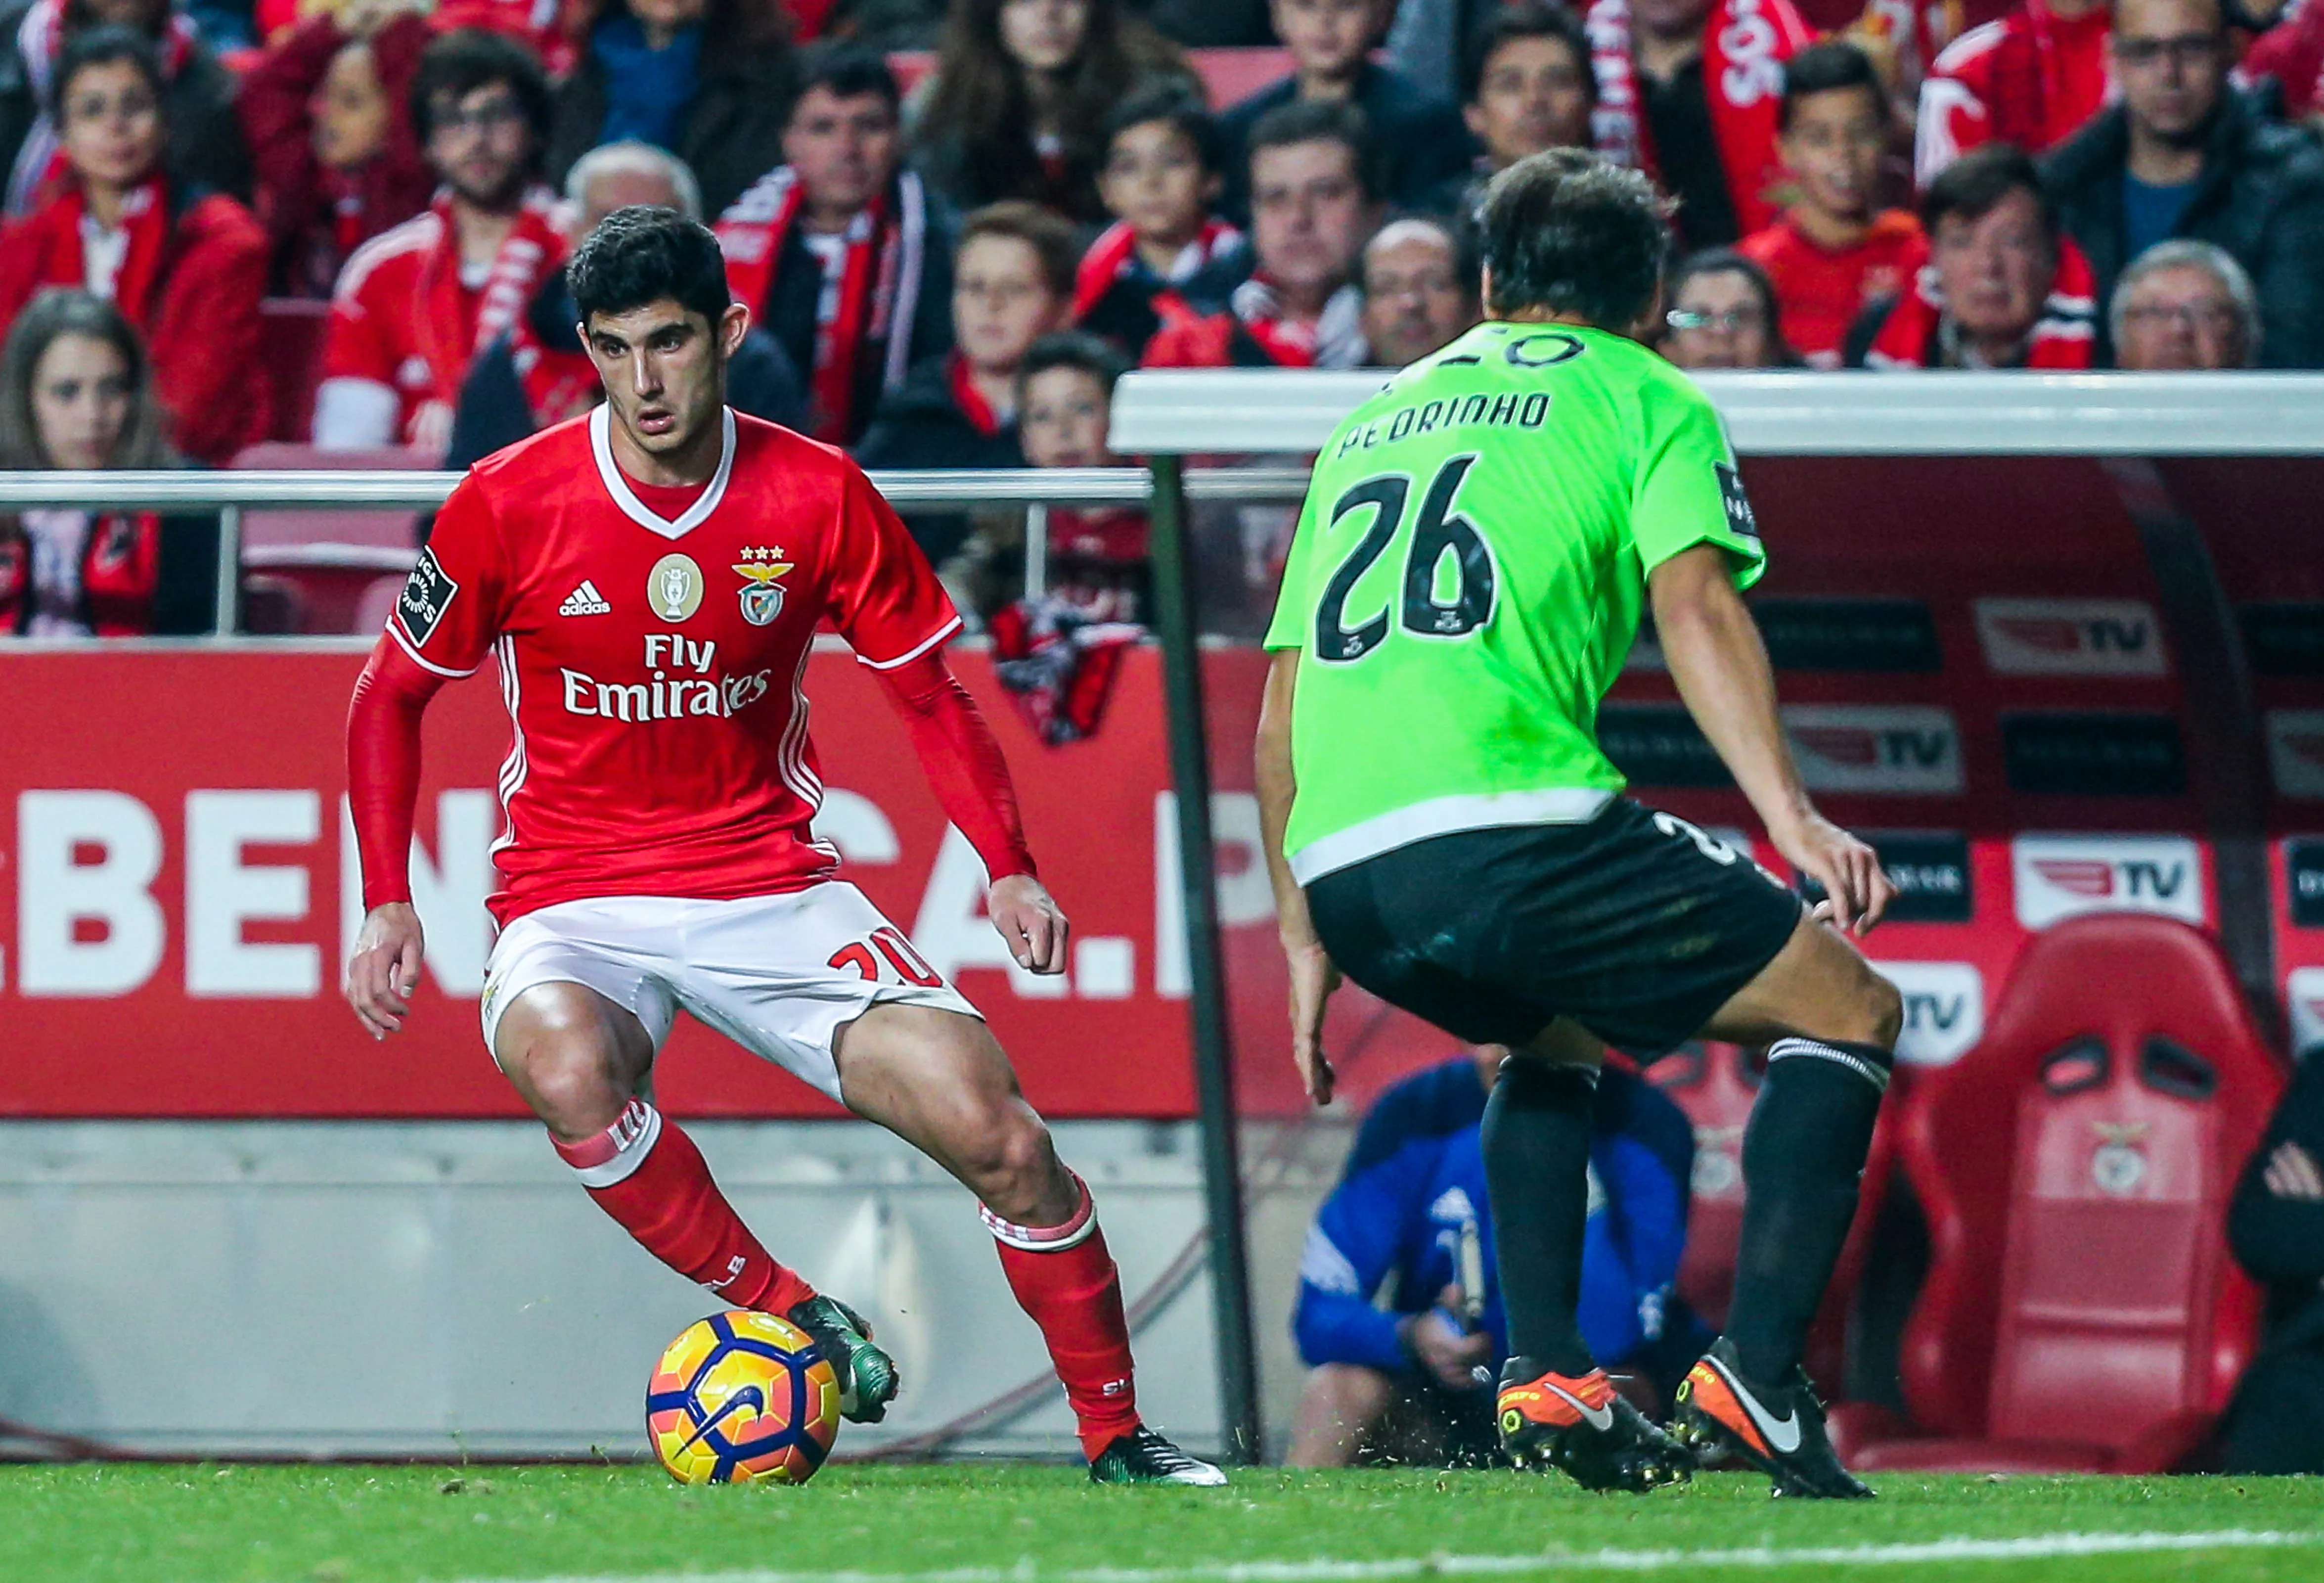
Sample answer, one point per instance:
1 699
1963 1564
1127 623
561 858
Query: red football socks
649 1176
1065 1279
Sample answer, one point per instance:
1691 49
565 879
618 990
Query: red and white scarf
980 412
1744 44
144 216
1334 339
2063 337
533 246
877 295
1114 256
40 165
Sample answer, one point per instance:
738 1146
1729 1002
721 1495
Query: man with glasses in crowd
416 304
2184 305
2182 153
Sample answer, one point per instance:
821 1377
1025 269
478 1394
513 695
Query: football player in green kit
1477 545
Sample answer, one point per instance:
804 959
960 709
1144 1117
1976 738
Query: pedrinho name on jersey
1508 410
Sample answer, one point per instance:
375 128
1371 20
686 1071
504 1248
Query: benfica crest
2118 1164
762 595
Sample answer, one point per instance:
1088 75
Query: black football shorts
1635 924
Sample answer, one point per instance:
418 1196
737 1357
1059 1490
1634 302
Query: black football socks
1803 1164
1537 1146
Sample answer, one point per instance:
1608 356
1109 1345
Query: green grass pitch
1013 1523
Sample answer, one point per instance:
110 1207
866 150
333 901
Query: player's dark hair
1526 20
642 254
1974 185
848 70
102 46
1568 231
1171 102
1049 234
1072 348
468 59
1828 68
1320 121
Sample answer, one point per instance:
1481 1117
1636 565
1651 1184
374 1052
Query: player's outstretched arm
383 720
1312 977
963 762
1721 669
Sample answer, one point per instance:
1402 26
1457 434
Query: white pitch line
1321 1571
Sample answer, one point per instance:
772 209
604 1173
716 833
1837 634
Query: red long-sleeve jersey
651 644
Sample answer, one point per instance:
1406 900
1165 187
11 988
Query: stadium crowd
2054 184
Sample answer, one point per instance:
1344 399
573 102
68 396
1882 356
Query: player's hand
1442 1347
1312 980
1856 889
1028 919
384 969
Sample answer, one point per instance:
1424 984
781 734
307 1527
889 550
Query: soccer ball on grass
743 1396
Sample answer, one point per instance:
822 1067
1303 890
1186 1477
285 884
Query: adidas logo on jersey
585 600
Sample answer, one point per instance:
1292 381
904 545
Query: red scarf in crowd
40 166
1114 255
1744 44
144 216
120 568
968 399
879 283
534 246
1334 340
2062 338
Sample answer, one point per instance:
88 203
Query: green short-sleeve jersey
1467 578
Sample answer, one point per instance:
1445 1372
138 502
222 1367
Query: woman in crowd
206 143
710 81
186 266
327 115
1723 315
75 392
1022 95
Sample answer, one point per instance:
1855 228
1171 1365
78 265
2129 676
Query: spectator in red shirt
1722 314
1526 84
1312 203
1021 95
76 392
2032 78
205 143
838 251
417 303
187 268
1168 255
1688 92
1834 252
2005 288
326 111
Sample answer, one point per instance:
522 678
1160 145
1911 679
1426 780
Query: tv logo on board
2065 876
2304 988
2295 751
1944 1009
1903 748
2070 637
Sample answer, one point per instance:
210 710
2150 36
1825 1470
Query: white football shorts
778 975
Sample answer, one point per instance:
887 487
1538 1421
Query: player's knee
1013 1165
1879 1011
570 1083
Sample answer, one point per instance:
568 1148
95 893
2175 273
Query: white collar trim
638 510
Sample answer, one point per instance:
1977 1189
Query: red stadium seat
2080 1311
329 556
1715 1085
291 351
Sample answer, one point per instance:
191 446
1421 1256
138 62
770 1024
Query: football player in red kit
649 580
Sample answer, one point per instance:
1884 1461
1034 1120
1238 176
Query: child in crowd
1833 250
1167 256
1058 652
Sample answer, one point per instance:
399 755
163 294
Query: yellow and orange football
743 1396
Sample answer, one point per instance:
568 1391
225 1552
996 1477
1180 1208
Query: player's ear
733 326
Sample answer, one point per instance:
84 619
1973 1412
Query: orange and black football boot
1581 1427
1779 1431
